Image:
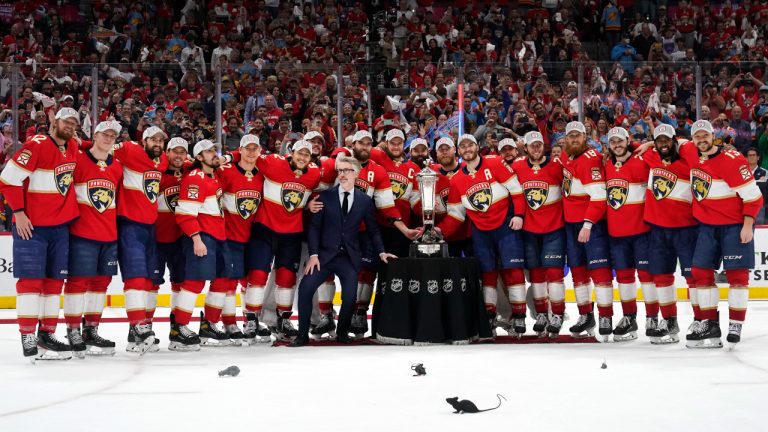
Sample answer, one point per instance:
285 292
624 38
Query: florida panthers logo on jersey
399 184
292 195
64 175
247 202
441 200
662 183
617 192
536 193
152 185
567 182
480 196
700 184
362 185
171 196
101 192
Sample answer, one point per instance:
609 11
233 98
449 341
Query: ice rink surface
549 387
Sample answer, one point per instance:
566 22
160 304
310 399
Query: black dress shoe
300 341
342 338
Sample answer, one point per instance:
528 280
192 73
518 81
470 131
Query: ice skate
517 326
234 334
651 324
666 332
500 321
183 339
95 344
284 330
75 339
134 347
143 338
584 327
325 326
604 329
626 329
554 326
707 335
210 335
50 348
29 346
734 335
540 326
359 325
254 331
693 328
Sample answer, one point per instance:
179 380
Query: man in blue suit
334 246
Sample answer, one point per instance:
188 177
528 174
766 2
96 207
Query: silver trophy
430 243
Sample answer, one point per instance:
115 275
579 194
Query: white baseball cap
445 141
108 125
359 135
66 113
508 142
575 126
202 146
177 142
419 141
467 137
313 134
302 144
395 133
249 139
530 138
618 132
152 131
699 125
665 130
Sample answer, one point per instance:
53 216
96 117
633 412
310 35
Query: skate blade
147 345
215 343
99 351
665 340
587 334
705 344
175 346
236 342
133 347
553 335
625 338
732 346
44 354
603 338
79 354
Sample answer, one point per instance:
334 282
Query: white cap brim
203 146
152 131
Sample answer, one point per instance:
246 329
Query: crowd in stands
520 63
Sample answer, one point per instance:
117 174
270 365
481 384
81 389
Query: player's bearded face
176 157
394 148
509 154
154 146
419 155
210 158
361 150
665 146
446 155
619 147
468 150
65 129
574 143
703 140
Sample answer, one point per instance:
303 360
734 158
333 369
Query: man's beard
361 156
62 135
215 163
421 161
446 160
154 154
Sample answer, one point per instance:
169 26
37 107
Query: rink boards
758 277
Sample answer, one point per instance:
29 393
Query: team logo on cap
399 184
567 182
171 196
152 185
617 193
247 202
536 193
480 196
662 183
101 192
700 184
292 195
64 175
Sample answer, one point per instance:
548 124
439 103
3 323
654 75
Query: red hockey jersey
722 186
141 182
668 197
96 184
166 228
285 193
199 205
584 187
442 190
541 201
482 195
402 176
242 197
626 184
38 180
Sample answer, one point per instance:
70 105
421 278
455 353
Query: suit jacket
330 230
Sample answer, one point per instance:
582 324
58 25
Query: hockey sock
364 289
214 300
490 279
539 286
74 300
135 299
325 296
650 293
693 296
556 289
51 299
151 302
28 304
230 304
706 291
285 282
94 300
185 303
603 290
665 288
514 281
627 291
254 291
175 288
582 288
738 294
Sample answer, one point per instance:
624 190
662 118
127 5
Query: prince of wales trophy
430 244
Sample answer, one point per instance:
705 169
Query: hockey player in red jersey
37 185
201 219
626 183
541 206
143 167
481 191
242 185
726 201
586 233
93 242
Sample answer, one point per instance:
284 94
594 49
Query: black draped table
425 301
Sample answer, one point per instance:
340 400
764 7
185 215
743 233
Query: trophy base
429 250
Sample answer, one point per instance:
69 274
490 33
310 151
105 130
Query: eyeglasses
345 171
